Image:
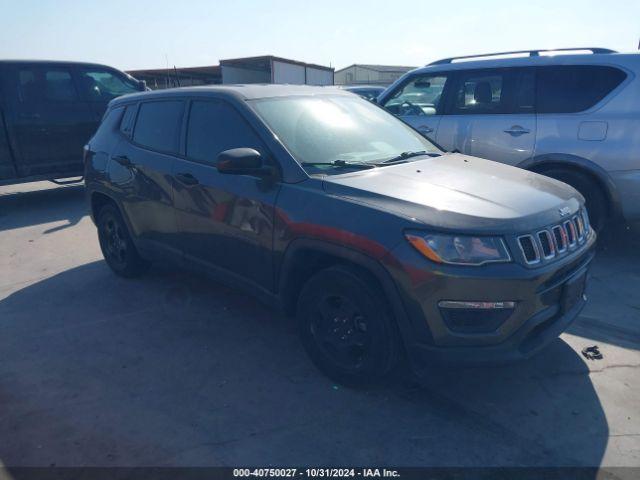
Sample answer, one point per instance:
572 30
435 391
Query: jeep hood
456 191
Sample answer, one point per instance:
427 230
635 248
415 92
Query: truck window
104 85
49 85
158 125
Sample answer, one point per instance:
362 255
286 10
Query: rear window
158 125
574 88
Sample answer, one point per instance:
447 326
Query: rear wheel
595 199
346 327
116 244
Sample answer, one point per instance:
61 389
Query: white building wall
232 74
318 76
288 73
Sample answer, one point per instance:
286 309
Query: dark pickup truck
48 111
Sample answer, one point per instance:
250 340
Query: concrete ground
171 369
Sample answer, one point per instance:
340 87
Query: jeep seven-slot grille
528 246
555 240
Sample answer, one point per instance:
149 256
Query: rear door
140 168
226 221
7 168
419 101
491 114
49 120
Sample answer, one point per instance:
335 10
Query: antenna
175 71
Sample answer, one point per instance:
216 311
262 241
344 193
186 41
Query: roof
582 59
364 86
265 60
379 68
55 62
241 92
204 69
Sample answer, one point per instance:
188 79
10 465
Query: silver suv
571 116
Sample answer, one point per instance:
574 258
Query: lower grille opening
474 320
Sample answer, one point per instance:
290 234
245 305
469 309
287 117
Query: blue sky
146 34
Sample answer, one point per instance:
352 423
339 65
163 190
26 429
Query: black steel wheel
346 327
116 244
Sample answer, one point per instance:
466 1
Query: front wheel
346 327
116 244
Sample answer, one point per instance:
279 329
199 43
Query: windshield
328 128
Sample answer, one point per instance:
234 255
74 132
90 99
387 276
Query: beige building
360 74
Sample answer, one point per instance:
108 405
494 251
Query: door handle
516 131
187 179
30 116
124 161
425 129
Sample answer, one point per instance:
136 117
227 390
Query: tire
595 199
346 327
117 247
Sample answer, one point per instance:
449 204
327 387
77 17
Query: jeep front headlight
459 249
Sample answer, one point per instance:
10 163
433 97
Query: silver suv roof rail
532 53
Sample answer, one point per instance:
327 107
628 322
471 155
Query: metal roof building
361 74
263 69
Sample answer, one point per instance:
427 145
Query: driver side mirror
242 161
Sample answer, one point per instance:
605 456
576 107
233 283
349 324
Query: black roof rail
532 53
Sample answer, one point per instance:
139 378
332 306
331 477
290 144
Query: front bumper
540 315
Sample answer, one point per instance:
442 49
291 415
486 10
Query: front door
50 122
491 115
226 221
419 102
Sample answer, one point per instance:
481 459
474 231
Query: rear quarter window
158 125
574 88
107 129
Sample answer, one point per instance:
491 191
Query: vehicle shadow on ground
612 314
171 369
26 208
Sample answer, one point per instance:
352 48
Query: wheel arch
304 257
542 163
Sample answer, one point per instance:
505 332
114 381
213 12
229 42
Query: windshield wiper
340 163
404 156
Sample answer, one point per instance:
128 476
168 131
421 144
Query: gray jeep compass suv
326 205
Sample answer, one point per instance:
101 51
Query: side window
158 125
421 95
574 88
524 91
104 85
215 126
46 85
479 93
126 125
28 86
59 86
